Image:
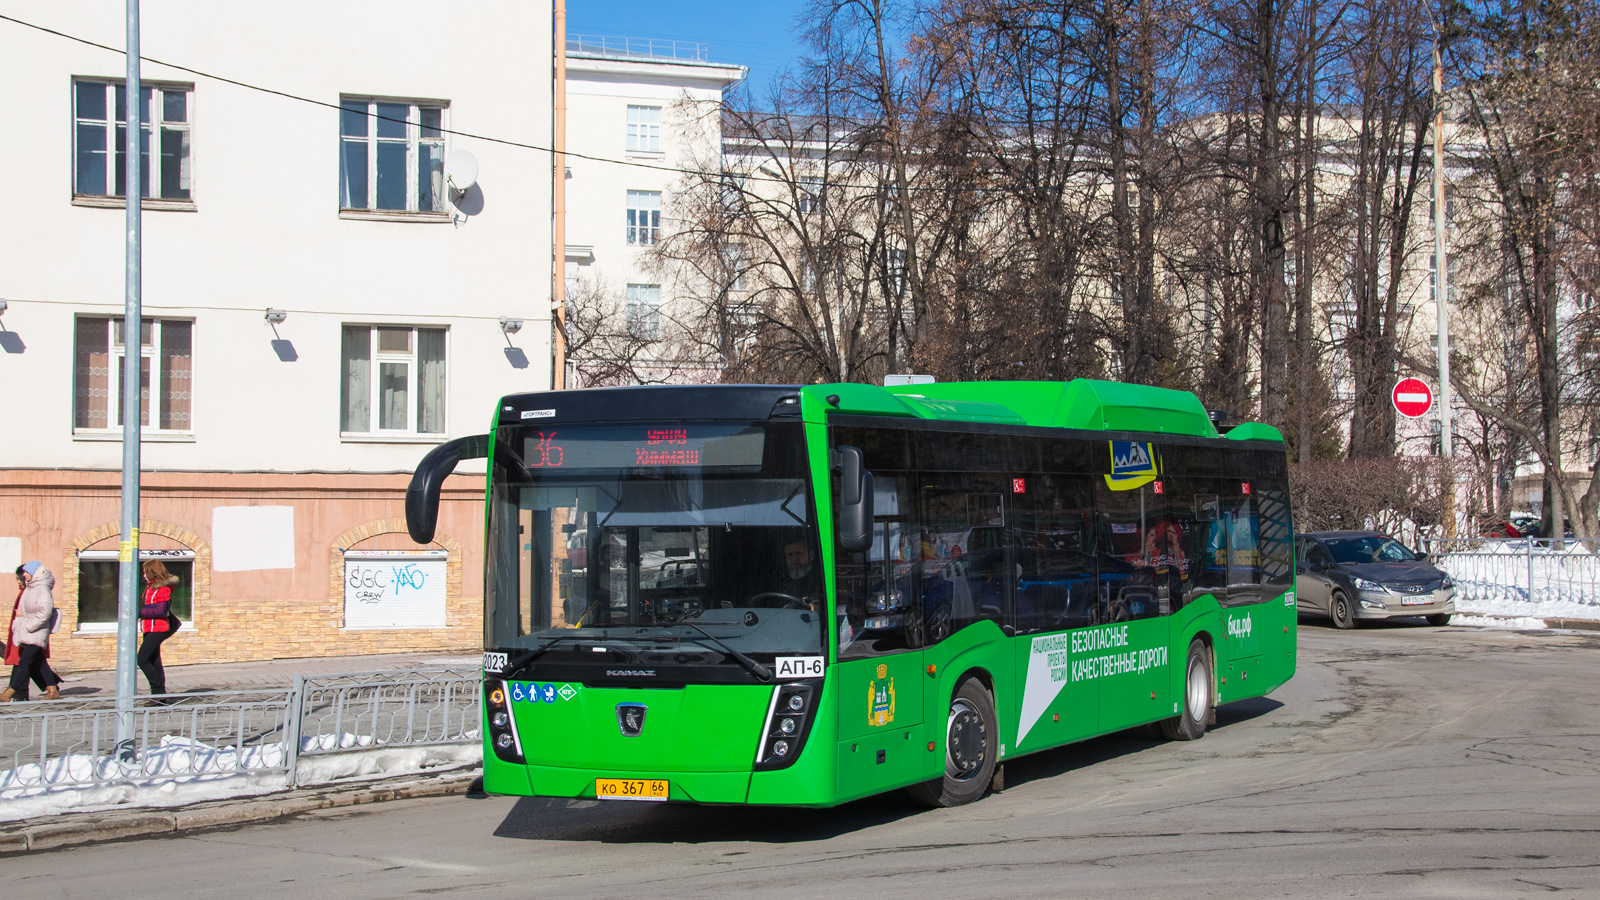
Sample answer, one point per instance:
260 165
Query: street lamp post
128 551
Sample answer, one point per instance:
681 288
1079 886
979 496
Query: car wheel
1197 687
1439 619
971 738
1340 612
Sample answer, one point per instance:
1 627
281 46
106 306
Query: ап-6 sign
1412 398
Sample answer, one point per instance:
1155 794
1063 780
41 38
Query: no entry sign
1412 398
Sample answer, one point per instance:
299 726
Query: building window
733 256
99 138
166 350
732 192
393 380
810 196
644 311
644 129
1449 277
97 585
894 271
644 217
391 155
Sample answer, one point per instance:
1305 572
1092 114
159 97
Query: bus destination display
643 446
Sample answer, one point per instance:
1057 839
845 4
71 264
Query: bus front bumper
557 781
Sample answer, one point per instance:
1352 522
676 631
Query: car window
1368 549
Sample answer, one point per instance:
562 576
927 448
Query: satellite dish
461 170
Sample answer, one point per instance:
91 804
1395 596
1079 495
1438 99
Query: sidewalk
78 827
273 674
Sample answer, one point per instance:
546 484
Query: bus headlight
502 734
783 733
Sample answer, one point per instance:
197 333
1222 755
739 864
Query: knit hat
32 566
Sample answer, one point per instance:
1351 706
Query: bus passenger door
879 629
1128 655
1055 602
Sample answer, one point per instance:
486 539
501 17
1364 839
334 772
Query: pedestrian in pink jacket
28 638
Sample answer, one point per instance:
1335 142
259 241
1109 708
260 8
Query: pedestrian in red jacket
156 622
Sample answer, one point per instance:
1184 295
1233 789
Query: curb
71 829
1574 624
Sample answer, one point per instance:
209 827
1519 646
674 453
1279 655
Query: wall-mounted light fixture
276 316
510 325
2 307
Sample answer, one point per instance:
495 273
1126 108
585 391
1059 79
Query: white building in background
274 445
639 112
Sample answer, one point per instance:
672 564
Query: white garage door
394 589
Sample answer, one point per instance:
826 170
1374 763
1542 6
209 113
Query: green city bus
806 595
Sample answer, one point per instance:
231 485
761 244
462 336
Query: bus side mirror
855 501
422 495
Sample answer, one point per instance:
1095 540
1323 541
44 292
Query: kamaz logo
1131 458
1239 628
630 673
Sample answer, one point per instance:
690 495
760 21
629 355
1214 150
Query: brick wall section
256 615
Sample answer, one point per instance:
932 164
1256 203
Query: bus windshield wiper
762 673
516 663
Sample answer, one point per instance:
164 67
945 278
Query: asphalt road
1401 761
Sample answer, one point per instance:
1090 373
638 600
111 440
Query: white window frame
642 314
644 130
738 263
640 205
117 355
414 140
155 126
144 556
413 395
813 192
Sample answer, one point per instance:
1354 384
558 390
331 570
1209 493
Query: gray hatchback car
1353 575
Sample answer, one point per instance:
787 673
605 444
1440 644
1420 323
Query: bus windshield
687 534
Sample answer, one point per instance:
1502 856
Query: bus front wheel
971 738
1197 688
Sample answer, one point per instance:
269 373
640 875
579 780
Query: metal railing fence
386 709
72 742
636 48
1537 569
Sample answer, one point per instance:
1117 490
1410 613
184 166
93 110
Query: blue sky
759 35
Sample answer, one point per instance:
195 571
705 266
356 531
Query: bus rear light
788 721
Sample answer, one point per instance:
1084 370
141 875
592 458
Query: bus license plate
630 789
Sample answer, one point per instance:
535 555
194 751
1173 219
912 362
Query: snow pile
180 771
1516 607
344 741
1521 623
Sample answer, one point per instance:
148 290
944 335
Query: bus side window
965 577
877 591
1055 572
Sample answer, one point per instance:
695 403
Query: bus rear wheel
971 738
1197 687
